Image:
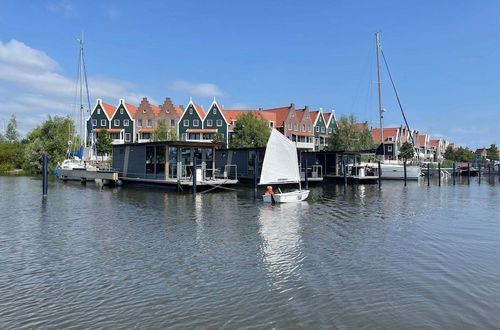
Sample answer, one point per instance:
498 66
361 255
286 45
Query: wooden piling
439 174
305 177
45 177
479 173
428 174
380 174
344 171
454 173
468 173
404 169
194 173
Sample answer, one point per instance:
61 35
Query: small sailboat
281 166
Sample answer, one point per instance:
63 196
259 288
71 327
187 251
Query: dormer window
389 139
234 122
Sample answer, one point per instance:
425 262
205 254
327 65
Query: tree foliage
251 130
459 155
103 143
11 133
164 133
51 139
406 151
348 135
492 152
11 155
218 138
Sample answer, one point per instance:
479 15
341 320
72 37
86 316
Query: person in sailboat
269 190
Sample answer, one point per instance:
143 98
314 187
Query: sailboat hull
289 197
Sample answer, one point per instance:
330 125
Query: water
122 258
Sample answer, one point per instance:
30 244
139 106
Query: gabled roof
314 116
281 114
388 132
421 140
108 109
178 110
434 143
131 109
232 115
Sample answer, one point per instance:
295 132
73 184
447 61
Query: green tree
406 151
218 138
103 143
492 152
51 139
2 139
349 135
251 130
11 155
164 133
11 133
464 155
450 154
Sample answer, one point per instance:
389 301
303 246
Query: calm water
122 258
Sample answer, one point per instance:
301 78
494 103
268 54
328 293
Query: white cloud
197 89
33 85
62 7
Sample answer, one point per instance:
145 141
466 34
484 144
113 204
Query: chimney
292 106
306 108
260 109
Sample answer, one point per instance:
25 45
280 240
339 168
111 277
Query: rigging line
399 101
88 101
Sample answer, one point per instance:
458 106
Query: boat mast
80 78
379 85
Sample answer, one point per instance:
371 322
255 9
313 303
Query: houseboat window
172 122
160 162
210 122
196 122
94 122
116 122
186 160
103 122
150 122
150 166
127 137
172 162
121 111
125 122
219 122
139 122
186 122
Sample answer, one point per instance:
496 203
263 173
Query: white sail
280 161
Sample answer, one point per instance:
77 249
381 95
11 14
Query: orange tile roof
300 113
387 133
156 110
281 114
200 111
434 143
109 109
111 130
178 110
303 133
132 109
421 140
232 115
147 130
313 115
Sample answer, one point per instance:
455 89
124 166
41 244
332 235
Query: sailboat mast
379 85
80 78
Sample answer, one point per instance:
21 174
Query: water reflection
281 240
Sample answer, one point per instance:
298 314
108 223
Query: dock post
439 174
255 171
428 174
45 177
479 172
194 173
454 173
344 171
468 173
404 169
380 174
305 177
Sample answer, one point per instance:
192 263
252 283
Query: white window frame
303 127
196 122
94 122
121 111
289 126
126 122
322 129
103 122
215 110
148 123
172 122
116 122
210 122
139 122
98 110
219 122
309 128
127 137
190 110
317 129
389 138
389 148
185 122
295 127
271 123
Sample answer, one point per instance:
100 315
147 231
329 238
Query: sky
444 57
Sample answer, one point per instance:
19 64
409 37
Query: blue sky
444 57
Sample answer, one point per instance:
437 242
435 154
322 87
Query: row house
391 143
424 148
437 149
117 121
149 116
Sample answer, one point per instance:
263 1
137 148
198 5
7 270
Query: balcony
304 145
118 141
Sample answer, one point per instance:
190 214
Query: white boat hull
396 172
289 197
